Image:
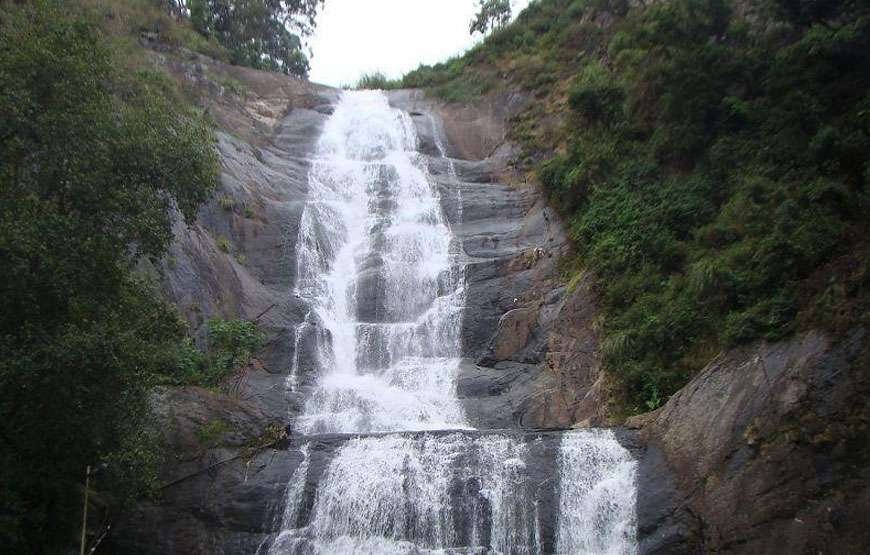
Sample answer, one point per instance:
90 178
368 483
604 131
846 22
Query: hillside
708 157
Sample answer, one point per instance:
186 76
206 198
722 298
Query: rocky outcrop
769 445
237 259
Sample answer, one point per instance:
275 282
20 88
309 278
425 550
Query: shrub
706 178
226 202
230 345
596 96
376 80
224 244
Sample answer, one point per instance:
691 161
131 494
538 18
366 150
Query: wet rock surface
219 494
237 260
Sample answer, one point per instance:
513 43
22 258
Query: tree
93 163
491 14
265 34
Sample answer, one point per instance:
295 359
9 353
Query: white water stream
377 263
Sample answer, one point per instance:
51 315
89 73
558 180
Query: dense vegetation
99 152
263 34
712 166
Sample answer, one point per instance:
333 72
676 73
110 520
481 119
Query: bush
710 166
230 346
595 95
224 244
227 203
702 194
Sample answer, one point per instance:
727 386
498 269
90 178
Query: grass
210 434
127 21
233 86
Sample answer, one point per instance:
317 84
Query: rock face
765 451
237 259
769 445
531 341
220 494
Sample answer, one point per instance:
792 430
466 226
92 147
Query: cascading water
379 267
374 261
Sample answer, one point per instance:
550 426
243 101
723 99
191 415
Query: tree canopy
491 14
93 165
264 34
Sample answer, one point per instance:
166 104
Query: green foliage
233 342
454 81
491 14
224 244
596 96
263 34
531 51
226 202
711 172
126 20
233 86
230 346
376 81
211 433
92 162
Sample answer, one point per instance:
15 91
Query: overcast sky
393 36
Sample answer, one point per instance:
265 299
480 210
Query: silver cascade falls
384 277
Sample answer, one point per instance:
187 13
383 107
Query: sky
393 36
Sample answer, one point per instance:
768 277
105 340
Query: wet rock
511 335
236 260
518 309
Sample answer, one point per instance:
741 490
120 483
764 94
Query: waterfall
596 504
379 267
374 262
